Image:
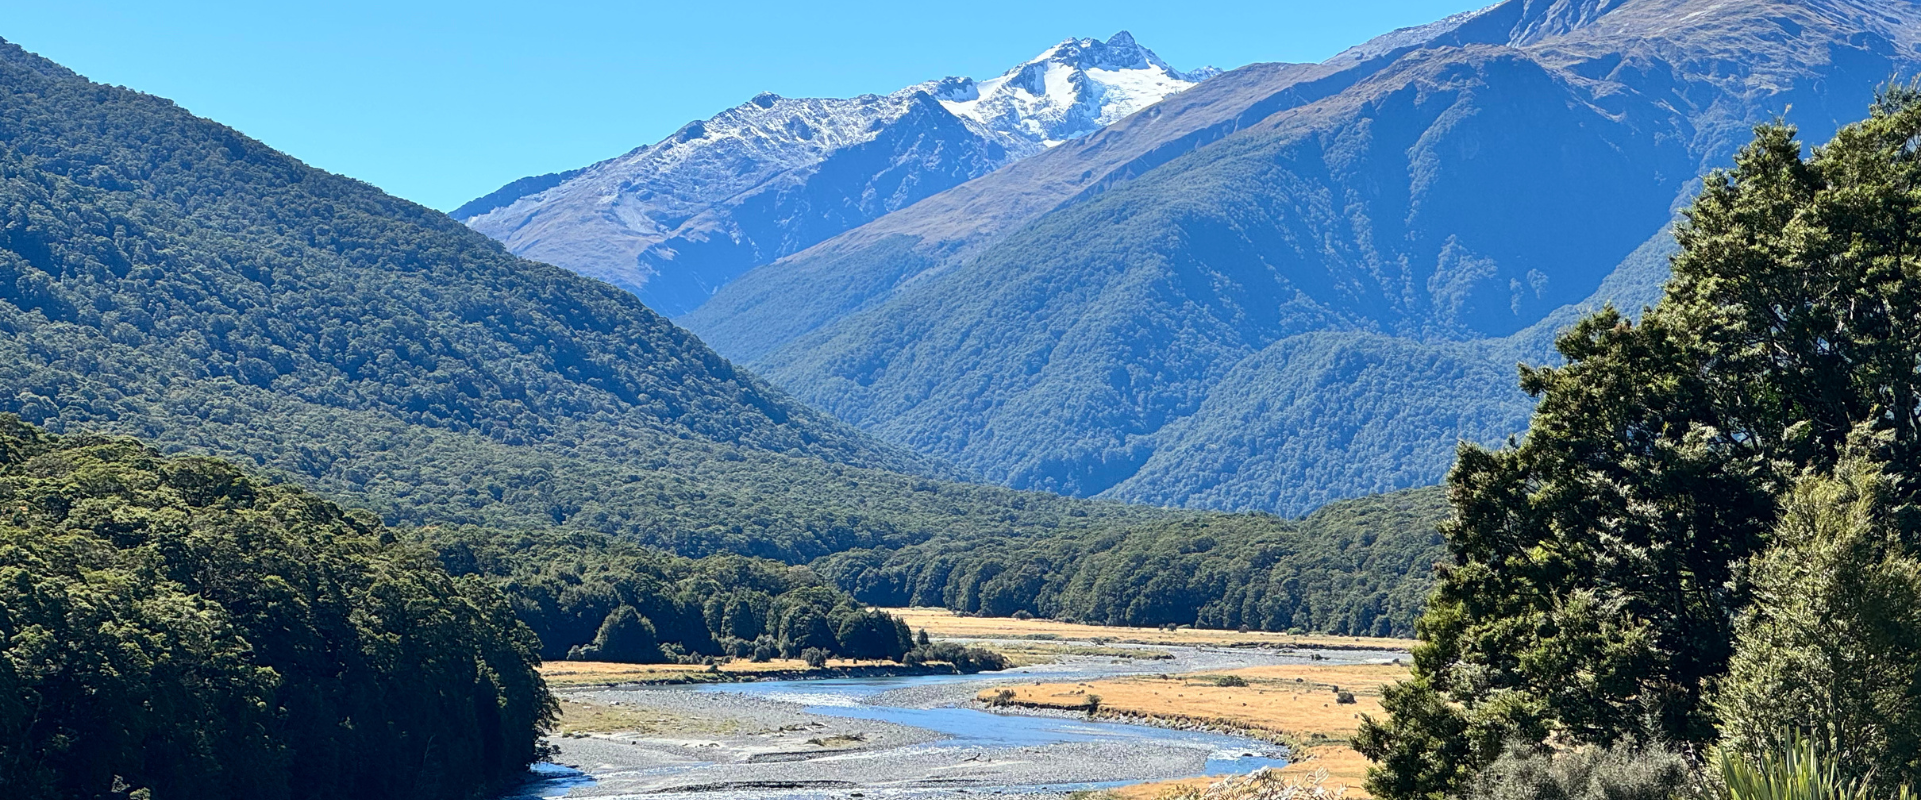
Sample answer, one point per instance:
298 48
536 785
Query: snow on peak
1073 89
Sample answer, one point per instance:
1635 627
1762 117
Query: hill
1293 282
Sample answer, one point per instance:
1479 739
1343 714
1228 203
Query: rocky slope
1297 282
674 221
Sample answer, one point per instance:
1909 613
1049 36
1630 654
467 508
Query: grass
562 674
1293 703
1027 653
944 623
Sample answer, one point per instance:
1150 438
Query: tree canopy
172 628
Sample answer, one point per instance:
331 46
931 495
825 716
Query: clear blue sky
440 102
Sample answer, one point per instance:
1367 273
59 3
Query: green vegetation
1621 772
170 628
1359 567
1800 769
593 598
1720 494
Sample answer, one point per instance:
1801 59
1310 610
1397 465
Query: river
901 738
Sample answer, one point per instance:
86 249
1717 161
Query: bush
1092 704
1621 772
1798 770
1819 649
1344 698
815 657
1231 681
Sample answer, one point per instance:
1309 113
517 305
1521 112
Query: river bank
890 736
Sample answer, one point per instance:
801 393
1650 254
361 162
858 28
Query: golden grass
1290 702
942 622
587 673
1027 653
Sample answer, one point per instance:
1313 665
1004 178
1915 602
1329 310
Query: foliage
1797 769
1829 646
1620 772
589 596
169 626
1358 567
963 658
1597 567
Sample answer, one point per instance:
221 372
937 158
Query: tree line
590 597
171 628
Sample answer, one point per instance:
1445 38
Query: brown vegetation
1294 703
942 622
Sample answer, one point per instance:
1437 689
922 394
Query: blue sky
439 102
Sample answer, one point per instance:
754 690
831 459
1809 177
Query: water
901 701
968 727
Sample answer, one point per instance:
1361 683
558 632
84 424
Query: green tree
625 636
1828 650
176 628
1597 566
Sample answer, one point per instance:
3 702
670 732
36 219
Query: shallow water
854 698
935 703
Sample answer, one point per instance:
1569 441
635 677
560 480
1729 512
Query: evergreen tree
1831 648
1597 565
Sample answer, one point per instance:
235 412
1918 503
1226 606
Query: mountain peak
1069 90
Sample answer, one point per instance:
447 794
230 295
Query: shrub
1344 698
815 657
1092 704
1621 772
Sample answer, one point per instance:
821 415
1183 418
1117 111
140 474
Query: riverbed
901 737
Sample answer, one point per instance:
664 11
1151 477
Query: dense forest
171 628
1708 537
591 597
1358 567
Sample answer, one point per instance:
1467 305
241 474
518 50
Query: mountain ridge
1461 183
675 220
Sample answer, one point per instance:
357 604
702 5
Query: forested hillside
1359 568
171 628
1374 235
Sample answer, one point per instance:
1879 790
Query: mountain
1075 88
164 276
675 220
1300 282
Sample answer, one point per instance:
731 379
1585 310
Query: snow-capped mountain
1073 89
675 220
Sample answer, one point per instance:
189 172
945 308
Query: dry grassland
1294 703
594 673
941 622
